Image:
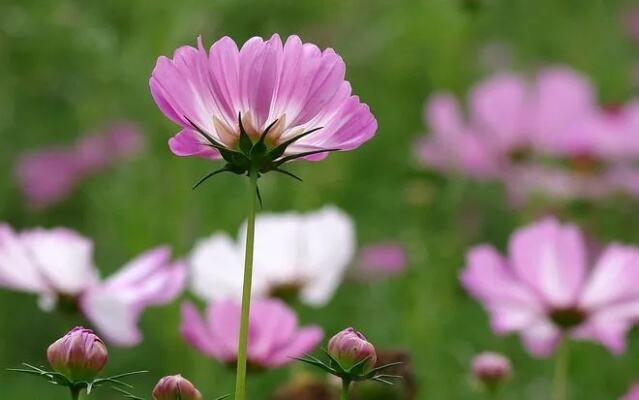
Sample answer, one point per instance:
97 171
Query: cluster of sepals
56 378
357 372
256 156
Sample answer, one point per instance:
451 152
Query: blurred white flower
303 255
57 264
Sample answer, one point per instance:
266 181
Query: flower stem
561 372
240 379
346 384
75 393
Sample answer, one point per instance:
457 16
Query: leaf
304 154
281 148
210 175
246 144
259 146
292 175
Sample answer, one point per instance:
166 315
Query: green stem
75 393
240 379
346 384
561 372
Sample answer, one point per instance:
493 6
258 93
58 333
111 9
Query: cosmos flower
79 355
260 105
275 337
508 118
303 255
633 393
491 368
57 264
48 176
544 288
388 258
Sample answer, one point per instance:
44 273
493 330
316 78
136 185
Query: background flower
57 264
295 254
544 288
275 338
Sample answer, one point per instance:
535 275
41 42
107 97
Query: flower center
287 292
567 318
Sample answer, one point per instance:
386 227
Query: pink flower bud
79 355
175 387
349 347
491 368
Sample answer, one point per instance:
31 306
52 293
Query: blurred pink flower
544 289
549 136
57 264
491 368
633 393
295 84
508 118
387 258
631 22
274 340
48 176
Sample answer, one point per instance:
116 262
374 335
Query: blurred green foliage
68 66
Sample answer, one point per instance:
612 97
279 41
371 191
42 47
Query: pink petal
188 143
613 279
550 259
274 325
17 268
541 338
305 341
223 318
498 107
196 332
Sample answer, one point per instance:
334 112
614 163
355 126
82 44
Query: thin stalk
561 372
75 393
240 378
346 384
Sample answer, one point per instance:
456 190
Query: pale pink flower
631 21
48 176
508 118
633 393
386 258
293 85
57 264
544 288
491 368
275 337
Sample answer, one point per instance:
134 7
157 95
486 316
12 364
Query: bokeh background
68 66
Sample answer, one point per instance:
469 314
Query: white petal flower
301 253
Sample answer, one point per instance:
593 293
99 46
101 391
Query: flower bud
79 355
491 368
175 387
349 347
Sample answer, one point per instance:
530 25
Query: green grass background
68 66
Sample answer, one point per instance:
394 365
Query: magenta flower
491 368
268 100
545 291
633 393
274 340
175 387
350 347
382 258
79 355
508 118
57 265
48 176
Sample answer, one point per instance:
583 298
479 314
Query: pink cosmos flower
48 176
544 289
291 94
57 265
508 118
387 258
631 21
274 340
633 393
